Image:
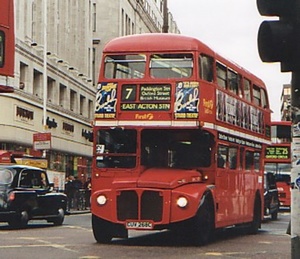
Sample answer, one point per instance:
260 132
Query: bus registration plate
139 225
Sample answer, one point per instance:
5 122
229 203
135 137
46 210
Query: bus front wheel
204 223
102 230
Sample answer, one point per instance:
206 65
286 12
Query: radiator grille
147 206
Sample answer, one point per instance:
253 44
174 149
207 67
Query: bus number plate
139 225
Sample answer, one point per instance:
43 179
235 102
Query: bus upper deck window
1 48
124 66
221 75
171 65
233 81
206 67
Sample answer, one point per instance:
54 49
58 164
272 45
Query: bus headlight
101 199
182 202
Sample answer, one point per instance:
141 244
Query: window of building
94 17
82 109
73 100
37 83
206 67
23 75
62 95
91 109
51 90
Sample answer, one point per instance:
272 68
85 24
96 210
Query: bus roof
162 42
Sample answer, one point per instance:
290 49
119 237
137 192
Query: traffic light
279 40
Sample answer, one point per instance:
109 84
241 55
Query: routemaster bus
278 160
179 137
7 46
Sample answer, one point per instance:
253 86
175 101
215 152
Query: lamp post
45 77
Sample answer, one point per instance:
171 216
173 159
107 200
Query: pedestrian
70 191
88 189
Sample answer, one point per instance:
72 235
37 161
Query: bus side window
233 81
249 160
256 161
256 95
222 156
242 152
247 90
206 68
232 157
221 75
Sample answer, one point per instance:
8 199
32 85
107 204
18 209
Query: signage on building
41 141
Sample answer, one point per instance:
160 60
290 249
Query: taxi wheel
58 221
102 230
20 220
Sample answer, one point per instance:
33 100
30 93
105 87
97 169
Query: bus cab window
171 65
116 148
206 67
124 66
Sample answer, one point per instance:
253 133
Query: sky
230 28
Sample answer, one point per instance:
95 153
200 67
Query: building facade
57 58
285 100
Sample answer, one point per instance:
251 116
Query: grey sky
230 28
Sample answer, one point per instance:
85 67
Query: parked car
271 200
26 194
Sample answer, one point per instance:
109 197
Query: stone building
56 69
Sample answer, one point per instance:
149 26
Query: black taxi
271 199
26 194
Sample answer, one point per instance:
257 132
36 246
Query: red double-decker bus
278 160
179 138
7 45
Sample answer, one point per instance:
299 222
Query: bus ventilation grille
150 205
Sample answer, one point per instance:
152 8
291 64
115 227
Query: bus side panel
7 26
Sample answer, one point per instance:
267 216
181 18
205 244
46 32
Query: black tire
20 220
59 220
102 230
203 225
256 222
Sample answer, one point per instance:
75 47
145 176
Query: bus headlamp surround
182 202
101 199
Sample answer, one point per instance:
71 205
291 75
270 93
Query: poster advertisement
187 100
106 101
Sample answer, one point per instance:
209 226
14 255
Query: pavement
74 211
